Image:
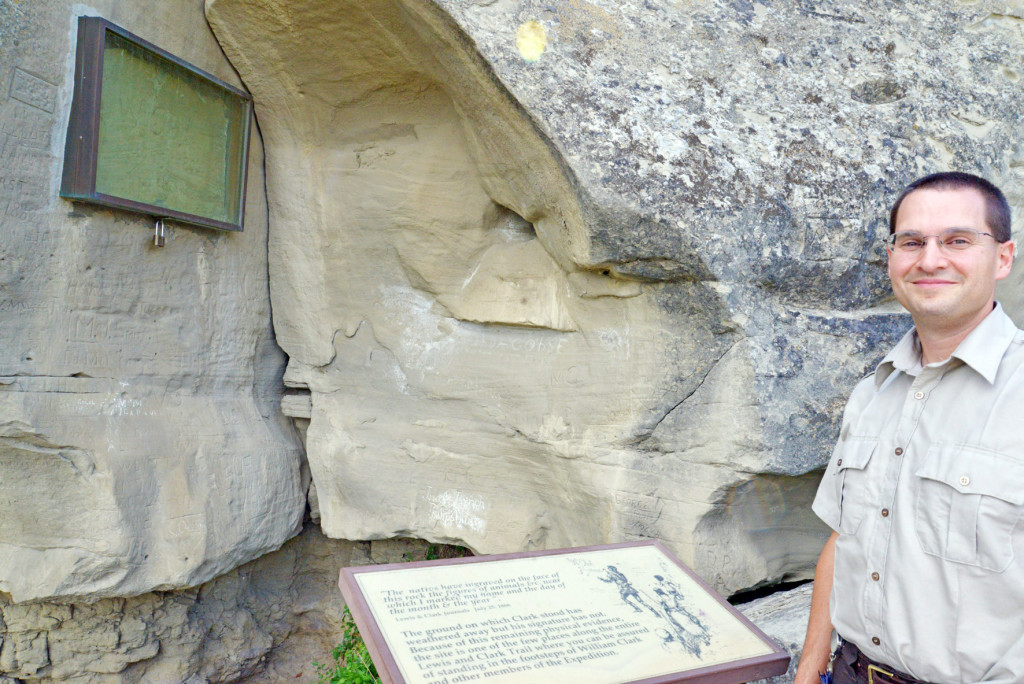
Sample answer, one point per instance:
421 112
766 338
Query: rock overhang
697 277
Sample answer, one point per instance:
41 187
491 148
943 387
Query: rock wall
266 621
546 274
783 616
141 441
559 274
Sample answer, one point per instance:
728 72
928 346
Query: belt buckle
872 669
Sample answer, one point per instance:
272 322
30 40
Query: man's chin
928 308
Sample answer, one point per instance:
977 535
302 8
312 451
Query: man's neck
937 349
938 342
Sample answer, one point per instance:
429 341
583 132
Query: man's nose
932 256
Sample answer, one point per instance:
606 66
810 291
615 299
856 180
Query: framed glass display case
152 134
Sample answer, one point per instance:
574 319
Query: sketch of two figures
683 629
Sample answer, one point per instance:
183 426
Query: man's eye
959 239
909 243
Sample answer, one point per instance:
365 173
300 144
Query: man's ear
1006 251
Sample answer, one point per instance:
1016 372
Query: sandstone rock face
266 621
783 617
141 442
546 274
564 273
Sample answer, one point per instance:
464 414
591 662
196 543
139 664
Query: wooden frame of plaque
153 134
610 614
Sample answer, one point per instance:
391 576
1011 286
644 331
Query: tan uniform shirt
926 490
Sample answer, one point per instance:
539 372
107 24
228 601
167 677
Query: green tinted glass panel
168 137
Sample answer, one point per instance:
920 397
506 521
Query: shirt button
885 512
964 480
899 451
876 641
839 462
874 576
919 395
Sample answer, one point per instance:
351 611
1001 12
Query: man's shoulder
1003 339
1013 358
868 382
862 393
1017 343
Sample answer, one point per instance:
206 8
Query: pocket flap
971 470
855 452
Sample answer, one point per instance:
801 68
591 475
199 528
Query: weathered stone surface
141 442
783 617
550 273
605 275
266 621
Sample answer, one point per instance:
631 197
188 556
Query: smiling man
923 576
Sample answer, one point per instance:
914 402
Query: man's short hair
997 209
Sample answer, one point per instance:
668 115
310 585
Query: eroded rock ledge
616 290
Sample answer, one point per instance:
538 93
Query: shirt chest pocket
969 501
850 480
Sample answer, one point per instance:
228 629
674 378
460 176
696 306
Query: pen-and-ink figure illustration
683 628
680 627
630 596
691 632
668 641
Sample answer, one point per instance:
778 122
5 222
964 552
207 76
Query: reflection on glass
168 137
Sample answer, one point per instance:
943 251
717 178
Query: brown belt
869 671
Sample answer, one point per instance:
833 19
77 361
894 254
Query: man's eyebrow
944 230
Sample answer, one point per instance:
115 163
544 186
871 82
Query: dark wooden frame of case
735 672
81 149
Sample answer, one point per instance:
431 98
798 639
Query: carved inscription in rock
33 91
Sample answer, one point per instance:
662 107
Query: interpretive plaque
602 615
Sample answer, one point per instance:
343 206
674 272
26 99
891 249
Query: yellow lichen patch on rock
531 40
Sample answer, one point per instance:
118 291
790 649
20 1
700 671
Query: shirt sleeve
828 501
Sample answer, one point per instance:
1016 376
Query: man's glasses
951 240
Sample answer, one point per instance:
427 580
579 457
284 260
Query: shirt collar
904 357
982 349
